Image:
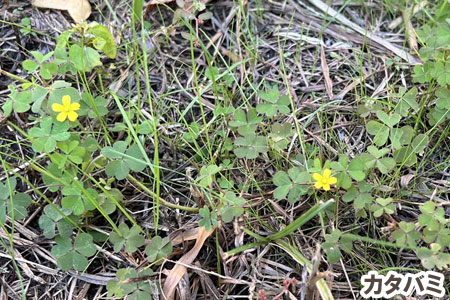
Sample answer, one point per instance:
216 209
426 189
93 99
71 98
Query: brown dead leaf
405 179
326 74
79 10
178 271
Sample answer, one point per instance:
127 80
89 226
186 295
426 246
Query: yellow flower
324 180
66 110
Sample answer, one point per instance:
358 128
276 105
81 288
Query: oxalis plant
57 111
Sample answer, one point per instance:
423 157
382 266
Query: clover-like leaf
355 169
125 160
74 256
138 288
405 156
209 219
158 248
333 243
390 120
108 200
406 234
360 195
293 184
131 238
103 40
56 217
434 257
379 130
250 146
92 108
84 59
76 201
443 101
407 101
441 72
273 103
382 205
207 174
233 207
46 136
280 135
369 106
11 203
419 143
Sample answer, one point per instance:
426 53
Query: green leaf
138 6
296 192
331 246
30 66
405 156
91 110
84 244
208 218
356 169
48 70
250 146
407 101
132 289
362 200
116 151
380 131
20 202
38 96
108 45
369 106
239 118
281 178
377 153
207 175
441 72
135 159
84 59
118 169
158 248
385 165
131 238
268 109
389 120
271 95
106 201
77 57
419 143
333 252
47 135
443 102
22 102
283 183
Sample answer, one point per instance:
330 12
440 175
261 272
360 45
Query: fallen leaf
178 271
405 179
326 74
79 10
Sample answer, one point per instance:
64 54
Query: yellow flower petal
56 107
332 180
75 106
318 185
326 173
326 187
72 115
61 116
317 177
66 100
